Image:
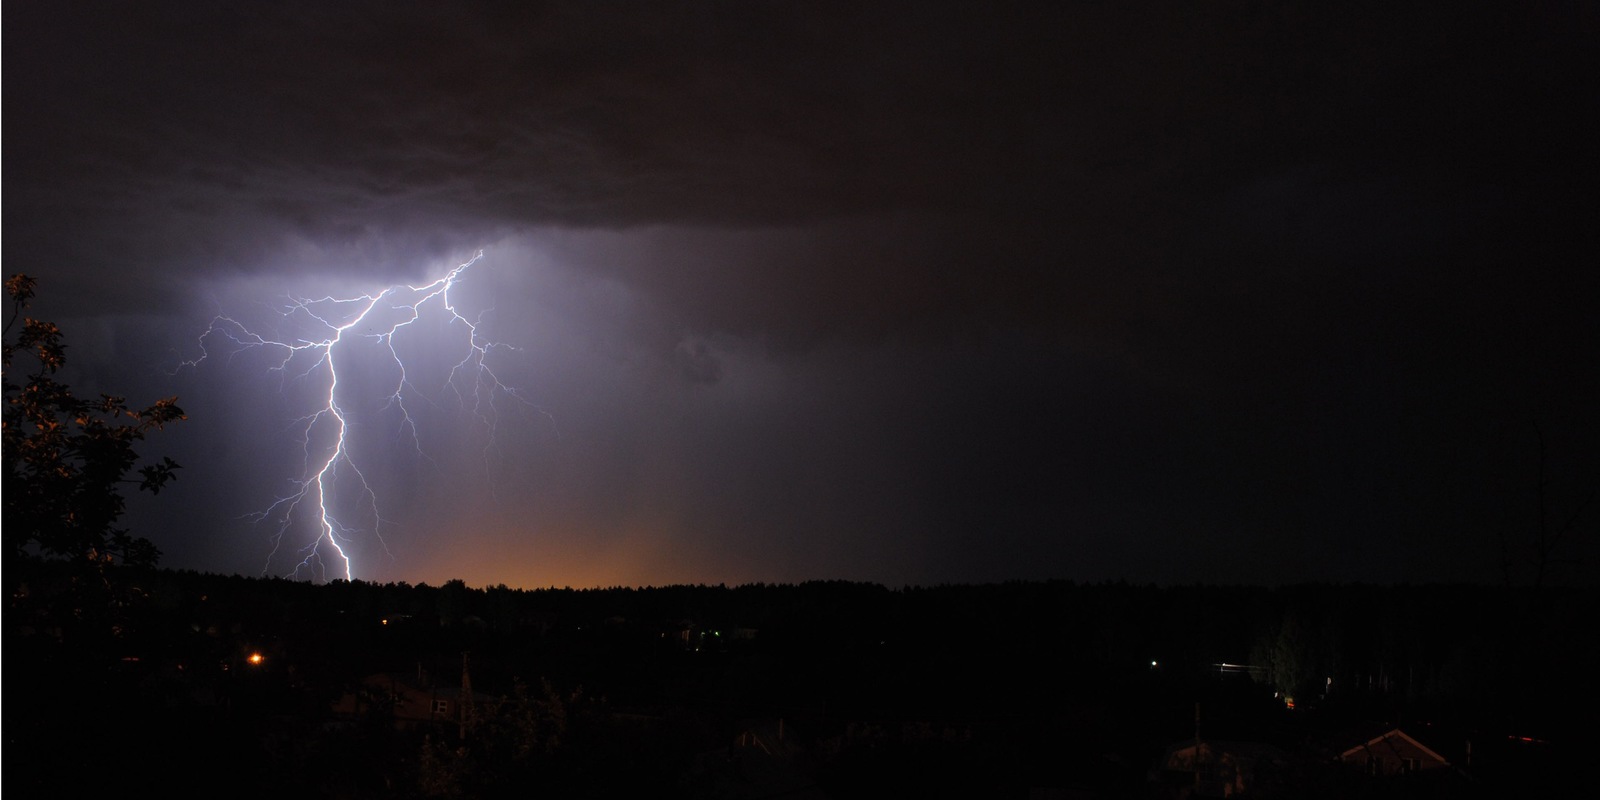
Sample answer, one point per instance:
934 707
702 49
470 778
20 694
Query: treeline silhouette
149 682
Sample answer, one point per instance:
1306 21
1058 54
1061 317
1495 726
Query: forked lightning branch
350 356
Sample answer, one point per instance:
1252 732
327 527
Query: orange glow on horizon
634 559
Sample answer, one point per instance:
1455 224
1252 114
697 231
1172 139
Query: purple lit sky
899 292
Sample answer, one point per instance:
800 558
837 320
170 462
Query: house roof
1387 738
1180 755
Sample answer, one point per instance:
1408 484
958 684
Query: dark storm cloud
1069 132
1005 282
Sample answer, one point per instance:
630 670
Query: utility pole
466 696
1197 747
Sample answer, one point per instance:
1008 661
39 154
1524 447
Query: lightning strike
342 346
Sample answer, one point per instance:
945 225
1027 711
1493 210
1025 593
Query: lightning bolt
343 346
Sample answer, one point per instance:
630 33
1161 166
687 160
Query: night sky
910 293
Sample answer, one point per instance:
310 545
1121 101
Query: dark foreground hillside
199 685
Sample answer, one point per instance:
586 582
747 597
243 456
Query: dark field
823 689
